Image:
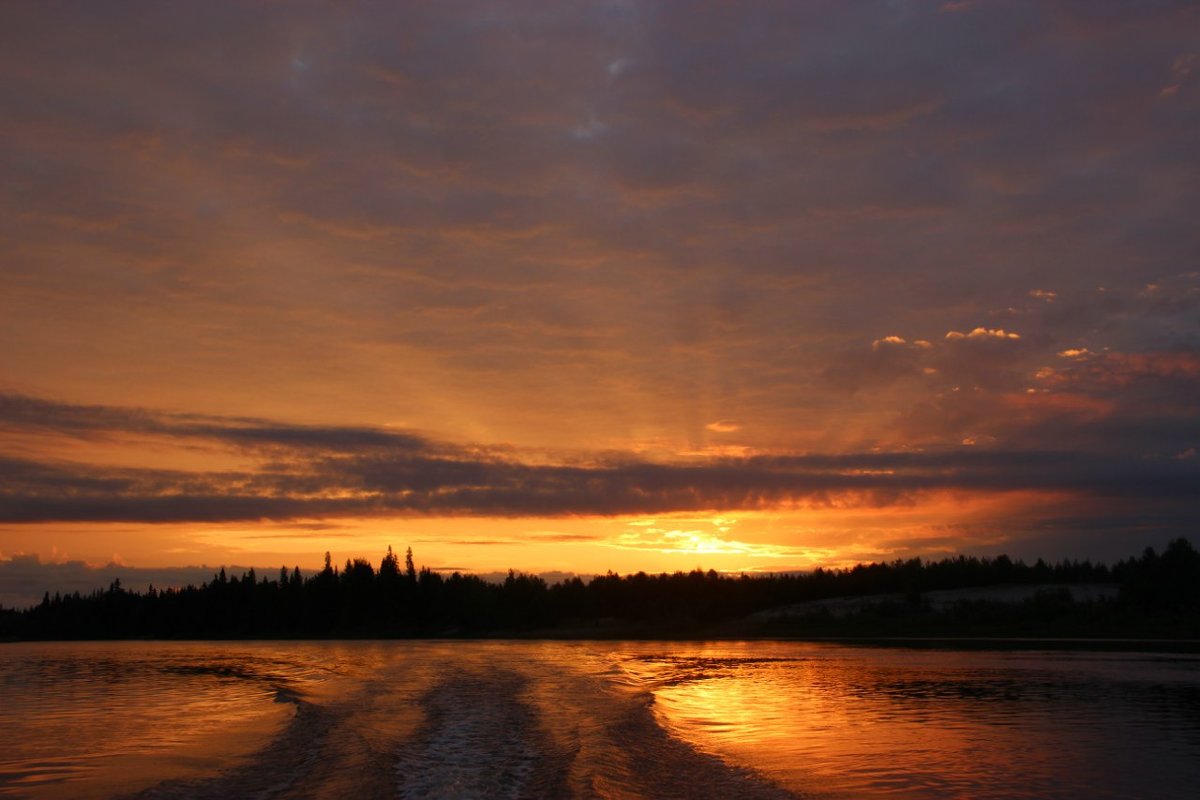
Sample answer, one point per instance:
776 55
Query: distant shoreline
963 602
996 643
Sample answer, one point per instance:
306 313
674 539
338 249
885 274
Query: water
592 719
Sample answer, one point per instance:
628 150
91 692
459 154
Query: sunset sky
571 287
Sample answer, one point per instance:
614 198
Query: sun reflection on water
614 719
846 723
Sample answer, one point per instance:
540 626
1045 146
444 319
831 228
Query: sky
574 287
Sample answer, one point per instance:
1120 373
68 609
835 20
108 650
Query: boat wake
475 730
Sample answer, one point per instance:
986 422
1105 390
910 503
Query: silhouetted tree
1160 595
390 566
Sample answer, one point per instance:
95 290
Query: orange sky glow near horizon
570 288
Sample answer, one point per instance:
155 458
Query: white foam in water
476 742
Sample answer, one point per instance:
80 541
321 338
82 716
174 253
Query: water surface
592 719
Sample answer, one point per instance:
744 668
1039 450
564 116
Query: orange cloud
900 341
1059 403
1116 370
982 333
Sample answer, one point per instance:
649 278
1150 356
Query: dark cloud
1059 370
748 140
21 412
342 481
563 537
789 227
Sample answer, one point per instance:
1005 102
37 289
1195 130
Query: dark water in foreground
592 719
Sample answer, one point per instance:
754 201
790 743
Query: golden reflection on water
98 719
898 724
94 720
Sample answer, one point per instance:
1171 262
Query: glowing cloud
982 333
597 261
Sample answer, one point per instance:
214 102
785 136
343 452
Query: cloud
22 412
982 334
354 473
1072 377
983 356
1165 373
508 228
890 359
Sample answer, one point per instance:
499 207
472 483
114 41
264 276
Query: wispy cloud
321 473
574 259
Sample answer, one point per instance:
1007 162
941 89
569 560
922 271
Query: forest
1157 595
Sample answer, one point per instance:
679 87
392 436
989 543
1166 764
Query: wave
474 729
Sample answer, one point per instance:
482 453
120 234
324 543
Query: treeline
397 600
